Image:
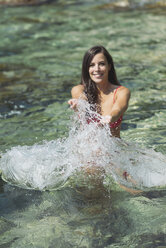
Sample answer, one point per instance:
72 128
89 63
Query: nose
96 67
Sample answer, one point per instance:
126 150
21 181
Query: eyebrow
99 62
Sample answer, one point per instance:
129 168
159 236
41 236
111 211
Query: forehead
99 57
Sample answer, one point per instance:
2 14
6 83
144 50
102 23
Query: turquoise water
41 50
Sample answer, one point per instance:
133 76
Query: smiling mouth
97 75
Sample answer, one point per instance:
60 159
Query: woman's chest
106 105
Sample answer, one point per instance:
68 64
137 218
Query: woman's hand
106 119
73 103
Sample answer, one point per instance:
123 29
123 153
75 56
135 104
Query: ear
109 67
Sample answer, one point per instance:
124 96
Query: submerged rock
130 4
23 2
5 225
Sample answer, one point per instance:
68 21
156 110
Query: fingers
73 103
70 102
106 119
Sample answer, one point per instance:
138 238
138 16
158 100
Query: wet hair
90 87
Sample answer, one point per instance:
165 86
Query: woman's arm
121 104
77 92
119 107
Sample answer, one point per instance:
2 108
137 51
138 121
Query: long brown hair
90 87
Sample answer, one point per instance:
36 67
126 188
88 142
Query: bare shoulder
123 91
77 91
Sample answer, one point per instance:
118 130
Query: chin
97 81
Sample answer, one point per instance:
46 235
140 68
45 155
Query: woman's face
99 69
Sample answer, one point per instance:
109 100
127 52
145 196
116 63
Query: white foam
50 164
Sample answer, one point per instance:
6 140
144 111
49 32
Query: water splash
89 150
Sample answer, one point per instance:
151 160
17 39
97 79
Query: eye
91 65
102 63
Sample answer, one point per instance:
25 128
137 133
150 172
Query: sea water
41 50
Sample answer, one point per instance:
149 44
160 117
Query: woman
100 87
